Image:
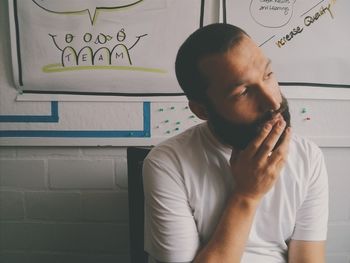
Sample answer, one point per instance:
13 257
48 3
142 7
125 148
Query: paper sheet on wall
308 41
124 47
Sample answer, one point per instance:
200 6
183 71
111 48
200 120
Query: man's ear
198 109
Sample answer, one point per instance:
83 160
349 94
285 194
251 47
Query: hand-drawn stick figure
117 51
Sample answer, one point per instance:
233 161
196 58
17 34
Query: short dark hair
212 39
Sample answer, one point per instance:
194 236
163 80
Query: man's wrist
245 202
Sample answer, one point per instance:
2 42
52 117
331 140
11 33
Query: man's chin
239 136
236 137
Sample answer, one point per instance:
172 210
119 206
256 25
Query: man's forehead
239 59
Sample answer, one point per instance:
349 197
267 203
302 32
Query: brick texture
19 173
11 205
70 204
81 174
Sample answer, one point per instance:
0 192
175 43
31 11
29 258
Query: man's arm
306 251
308 243
255 170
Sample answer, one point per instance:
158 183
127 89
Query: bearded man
239 187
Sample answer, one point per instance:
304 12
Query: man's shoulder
304 146
179 145
305 157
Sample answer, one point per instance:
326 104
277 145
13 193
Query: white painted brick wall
81 174
57 206
39 152
21 173
63 205
105 206
11 205
7 152
121 169
70 204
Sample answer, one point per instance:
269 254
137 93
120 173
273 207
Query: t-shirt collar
214 141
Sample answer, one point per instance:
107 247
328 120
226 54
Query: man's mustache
269 115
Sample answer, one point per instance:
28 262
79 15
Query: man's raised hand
257 168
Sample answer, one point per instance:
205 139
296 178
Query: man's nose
269 97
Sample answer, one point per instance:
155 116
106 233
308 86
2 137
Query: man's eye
242 92
268 75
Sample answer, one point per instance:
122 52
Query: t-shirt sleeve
312 216
170 230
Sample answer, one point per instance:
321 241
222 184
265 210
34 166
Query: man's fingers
279 155
271 140
254 146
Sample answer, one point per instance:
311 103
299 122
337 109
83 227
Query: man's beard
240 135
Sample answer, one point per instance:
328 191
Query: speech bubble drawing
69 7
272 13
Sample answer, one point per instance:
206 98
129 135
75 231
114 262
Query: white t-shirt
187 180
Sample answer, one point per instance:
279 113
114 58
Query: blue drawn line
34 118
147 119
146 132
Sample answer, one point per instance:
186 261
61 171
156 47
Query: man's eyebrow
234 86
269 61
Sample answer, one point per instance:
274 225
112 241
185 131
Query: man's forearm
255 171
306 251
228 241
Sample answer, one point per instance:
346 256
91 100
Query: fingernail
267 126
281 123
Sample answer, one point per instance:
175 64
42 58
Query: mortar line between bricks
62 222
